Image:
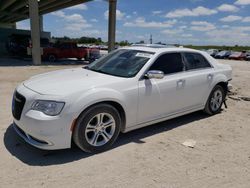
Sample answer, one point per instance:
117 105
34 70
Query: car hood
69 81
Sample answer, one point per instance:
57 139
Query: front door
161 97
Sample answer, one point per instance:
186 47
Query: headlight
51 108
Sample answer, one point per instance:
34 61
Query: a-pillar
35 31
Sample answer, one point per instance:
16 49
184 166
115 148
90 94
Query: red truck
70 50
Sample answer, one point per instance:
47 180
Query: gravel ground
150 157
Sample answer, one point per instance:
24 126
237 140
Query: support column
35 31
112 24
41 23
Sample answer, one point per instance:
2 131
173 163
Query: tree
124 43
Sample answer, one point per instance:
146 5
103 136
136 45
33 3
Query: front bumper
39 130
30 139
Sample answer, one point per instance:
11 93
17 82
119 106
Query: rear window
195 61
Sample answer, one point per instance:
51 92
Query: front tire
215 100
97 128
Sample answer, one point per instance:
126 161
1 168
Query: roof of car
161 49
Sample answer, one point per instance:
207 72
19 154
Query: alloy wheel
216 100
100 129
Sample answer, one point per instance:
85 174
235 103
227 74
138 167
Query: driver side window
168 63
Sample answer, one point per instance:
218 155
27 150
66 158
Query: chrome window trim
142 77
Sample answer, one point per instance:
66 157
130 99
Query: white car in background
128 89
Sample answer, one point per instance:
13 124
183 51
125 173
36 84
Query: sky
197 22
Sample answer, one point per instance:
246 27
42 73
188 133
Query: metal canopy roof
12 11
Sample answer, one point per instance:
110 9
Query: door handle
180 83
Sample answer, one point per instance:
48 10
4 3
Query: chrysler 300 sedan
125 90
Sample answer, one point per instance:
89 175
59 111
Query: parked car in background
128 89
248 56
212 52
70 50
238 56
223 55
18 44
103 47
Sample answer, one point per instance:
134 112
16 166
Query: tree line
87 40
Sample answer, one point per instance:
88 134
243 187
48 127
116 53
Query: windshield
123 63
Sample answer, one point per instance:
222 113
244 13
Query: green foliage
124 43
88 40
81 40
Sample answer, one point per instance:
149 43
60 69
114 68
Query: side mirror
154 74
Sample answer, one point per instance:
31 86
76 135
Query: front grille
18 102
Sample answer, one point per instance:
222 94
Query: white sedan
127 89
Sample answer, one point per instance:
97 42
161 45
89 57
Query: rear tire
86 58
97 128
52 58
215 100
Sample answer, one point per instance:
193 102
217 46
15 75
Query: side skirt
171 116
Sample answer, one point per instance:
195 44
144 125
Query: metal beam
35 31
54 4
6 4
22 7
8 13
44 2
18 5
112 24
11 19
2 16
61 5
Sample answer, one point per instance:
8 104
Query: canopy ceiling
12 11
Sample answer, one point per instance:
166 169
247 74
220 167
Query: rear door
198 78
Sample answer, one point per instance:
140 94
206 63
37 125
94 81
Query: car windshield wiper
103 72
100 71
86 67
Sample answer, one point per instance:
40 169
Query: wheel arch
113 103
219 79
224 85
222 80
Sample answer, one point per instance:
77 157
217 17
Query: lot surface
150 157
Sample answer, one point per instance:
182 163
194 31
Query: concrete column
35 31
41 23
112 24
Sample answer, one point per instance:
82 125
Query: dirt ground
150 157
